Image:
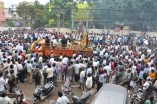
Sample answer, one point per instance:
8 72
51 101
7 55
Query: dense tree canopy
136 13
139 14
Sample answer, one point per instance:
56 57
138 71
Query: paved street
29 88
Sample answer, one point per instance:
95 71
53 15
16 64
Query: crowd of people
115 59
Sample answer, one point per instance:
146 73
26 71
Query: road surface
29 88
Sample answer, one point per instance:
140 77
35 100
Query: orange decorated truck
76 47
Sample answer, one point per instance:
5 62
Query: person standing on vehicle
62 99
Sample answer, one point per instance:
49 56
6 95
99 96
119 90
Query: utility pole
12 12
87 20
72 18
58 19
72 15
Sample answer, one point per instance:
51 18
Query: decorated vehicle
68 49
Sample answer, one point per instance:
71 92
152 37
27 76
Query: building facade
2 13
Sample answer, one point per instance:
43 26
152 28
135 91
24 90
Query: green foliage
10 23
25 10
136 13
62 9
42 15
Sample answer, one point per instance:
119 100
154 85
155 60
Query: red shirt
23 56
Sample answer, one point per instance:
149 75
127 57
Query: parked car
111 94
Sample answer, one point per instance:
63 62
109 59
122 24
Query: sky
8 3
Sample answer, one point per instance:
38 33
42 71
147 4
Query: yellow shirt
152 75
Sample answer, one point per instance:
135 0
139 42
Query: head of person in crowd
49 65
28 62
3 94
1 73
129 71
54 64
60 94
77 62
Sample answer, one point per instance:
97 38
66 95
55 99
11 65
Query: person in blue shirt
33 36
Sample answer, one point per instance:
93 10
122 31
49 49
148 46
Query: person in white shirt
5 99
65 60
15 71
62 99
28 56
74 54
89 82
2 82
40 59
95 63
107 68
52 60
49 72
82 78
60 57
133 68
19 57
89 70
76 71
101 54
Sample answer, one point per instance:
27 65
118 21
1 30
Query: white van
111 94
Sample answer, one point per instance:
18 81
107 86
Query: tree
35 13
26 11
38 19
136 13
61 10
